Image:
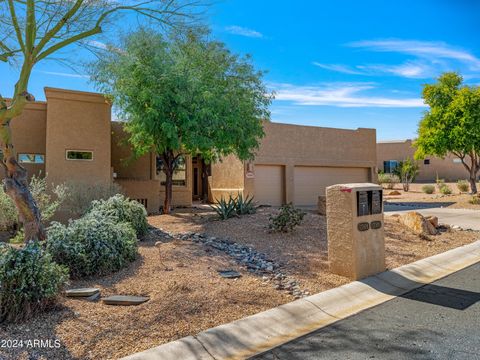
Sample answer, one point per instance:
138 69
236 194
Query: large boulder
417 223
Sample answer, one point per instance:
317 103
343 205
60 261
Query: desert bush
48 202
287 219
29 281
244 206
428 189
445 189
388 181
475 200
123 210
8 212
92 245
225 209
440 183
407 171
80 196
463 185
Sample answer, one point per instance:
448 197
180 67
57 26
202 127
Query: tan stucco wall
227 178
401 150
77 121
293 145
29 135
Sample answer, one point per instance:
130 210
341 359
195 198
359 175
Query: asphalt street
437 321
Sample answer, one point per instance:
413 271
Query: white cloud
96 44
339 68
422 49
340 95
63 74
239 30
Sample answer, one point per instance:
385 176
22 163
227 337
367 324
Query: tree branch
30 28
69 41
15 25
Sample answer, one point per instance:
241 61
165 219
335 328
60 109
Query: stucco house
390 153
71 137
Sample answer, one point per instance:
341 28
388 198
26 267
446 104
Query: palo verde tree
184 94
32 31
452 124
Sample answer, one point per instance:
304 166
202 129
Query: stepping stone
92 298
125 300
82 292
229 274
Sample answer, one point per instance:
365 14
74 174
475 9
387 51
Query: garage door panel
311 181
269 184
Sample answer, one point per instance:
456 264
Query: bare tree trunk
472 170
15 185
168 159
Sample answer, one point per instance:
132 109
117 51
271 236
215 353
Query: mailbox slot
369 202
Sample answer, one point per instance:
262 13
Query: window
457 161
389 166
426 162
31 158
179 174
79 155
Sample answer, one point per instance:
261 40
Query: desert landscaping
178 269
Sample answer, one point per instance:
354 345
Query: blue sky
341 64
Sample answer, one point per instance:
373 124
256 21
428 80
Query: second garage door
311 181
269 184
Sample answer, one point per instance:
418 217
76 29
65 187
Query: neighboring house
71 137
390 153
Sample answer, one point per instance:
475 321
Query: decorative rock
394 193
417 223
229 274
433 220
125 300
82 292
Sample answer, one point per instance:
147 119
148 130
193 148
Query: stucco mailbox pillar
356 244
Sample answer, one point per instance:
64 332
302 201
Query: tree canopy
185 94
452 124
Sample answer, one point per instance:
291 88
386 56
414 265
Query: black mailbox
369 202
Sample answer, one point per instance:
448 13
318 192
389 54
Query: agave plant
245 205
225 209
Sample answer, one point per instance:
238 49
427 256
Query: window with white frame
84 155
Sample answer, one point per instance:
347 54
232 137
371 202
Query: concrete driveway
464 218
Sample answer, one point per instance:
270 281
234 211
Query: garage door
269 184
311 181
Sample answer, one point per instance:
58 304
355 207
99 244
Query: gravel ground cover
187 293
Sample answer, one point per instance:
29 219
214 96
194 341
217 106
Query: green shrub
92 245
463 185
440 183
244 206
123 210
388 180
475 200
29 281
445 189
287 218
80 196
225 209
48 201
428 189
8 212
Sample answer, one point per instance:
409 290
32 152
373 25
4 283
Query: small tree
452 124
184 94
407 171
32 31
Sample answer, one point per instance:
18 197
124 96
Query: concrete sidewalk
269 329
464 218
